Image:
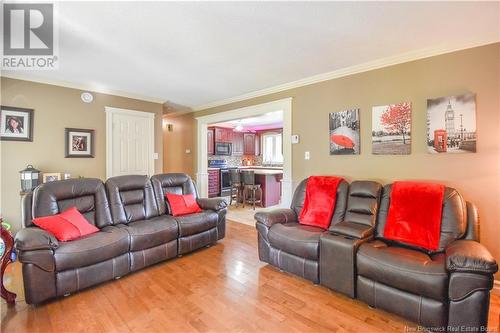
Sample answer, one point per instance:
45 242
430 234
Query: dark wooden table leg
9 297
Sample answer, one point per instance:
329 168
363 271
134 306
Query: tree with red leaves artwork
391 129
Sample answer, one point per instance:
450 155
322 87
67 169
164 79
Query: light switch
307 155
156 156
295 139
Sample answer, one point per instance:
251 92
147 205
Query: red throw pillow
319 203
66 226
414 216
182 204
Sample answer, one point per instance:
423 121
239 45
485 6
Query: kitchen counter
265 171
260 167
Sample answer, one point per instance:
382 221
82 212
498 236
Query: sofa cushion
86 194
406 269
146 234
108 243
182 204
195 223
66 226
294 238
177 183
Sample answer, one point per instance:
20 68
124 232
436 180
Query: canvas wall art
451 124
344 132
391 129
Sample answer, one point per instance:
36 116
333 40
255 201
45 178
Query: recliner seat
153 237
52 268
419 283
198 229
291 246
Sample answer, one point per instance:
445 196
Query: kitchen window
272 149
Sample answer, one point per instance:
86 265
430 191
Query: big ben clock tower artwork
449 116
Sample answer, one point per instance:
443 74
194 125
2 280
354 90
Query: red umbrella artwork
342 140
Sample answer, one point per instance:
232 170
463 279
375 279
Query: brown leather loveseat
446 290
133 232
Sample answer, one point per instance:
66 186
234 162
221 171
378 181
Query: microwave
223 148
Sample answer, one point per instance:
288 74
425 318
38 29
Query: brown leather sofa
134 232
447 290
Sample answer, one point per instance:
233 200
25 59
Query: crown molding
356 69
90 88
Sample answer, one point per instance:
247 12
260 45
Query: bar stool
249 187
235 186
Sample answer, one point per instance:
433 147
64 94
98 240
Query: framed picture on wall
391 129
79 142
16 124
344 132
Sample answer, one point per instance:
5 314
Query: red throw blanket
415 214
319 203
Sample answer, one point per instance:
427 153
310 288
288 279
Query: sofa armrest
352 229
469 256
33 238
215 204
283 215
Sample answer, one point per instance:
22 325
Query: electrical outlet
155 156
307 155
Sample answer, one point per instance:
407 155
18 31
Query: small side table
8 241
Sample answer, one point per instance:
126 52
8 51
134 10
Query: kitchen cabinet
223 135
270 183
213 182
257 144
238 148
249 144
210 141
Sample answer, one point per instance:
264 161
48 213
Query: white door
130 141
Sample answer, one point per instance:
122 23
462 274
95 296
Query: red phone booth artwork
440 140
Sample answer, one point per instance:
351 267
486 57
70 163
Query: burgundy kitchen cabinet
257 144
210 141
213 182
223 135
249 144
271 188
237 144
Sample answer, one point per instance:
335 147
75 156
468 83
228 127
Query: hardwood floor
219 289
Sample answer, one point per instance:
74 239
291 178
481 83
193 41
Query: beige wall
176 142
56 108
476 176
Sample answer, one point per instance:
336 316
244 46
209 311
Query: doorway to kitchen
254 144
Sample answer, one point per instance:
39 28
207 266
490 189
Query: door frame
249 111
110 112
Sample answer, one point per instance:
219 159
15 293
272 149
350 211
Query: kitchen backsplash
234 161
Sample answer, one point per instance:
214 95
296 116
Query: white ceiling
195 53
269 120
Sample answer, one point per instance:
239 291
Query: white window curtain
272 148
